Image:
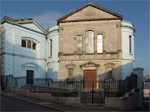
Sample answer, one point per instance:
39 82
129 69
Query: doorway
89 78
29 77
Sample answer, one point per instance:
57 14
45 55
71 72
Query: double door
89 78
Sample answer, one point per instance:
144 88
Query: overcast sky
46 12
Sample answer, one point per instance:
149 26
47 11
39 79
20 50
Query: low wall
47 97
129 101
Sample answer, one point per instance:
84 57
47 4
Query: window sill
100 53
30 49
89 53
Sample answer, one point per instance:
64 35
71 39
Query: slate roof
6 18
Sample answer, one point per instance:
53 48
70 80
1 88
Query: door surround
89 69
89 66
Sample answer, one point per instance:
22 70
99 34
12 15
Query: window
34 46
23 43
99 43
2 36
50 47
79 44
89 41
29 44
130 44
109 70
70 72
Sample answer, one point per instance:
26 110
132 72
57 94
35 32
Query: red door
89 78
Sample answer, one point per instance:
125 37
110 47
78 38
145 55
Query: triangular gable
25 22
90 11
32 25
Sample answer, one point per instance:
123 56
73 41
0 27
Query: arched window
23 43
50 47
99 43
79 44
34 46
130 44
29 44
89 41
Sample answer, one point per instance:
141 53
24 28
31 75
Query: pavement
12 104
57 106
67 108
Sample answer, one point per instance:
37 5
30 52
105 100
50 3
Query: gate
106 88
92 95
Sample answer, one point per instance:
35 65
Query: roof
93 5
22 20
6 18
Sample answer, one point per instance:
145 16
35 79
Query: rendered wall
16 59
52 63
127 30
1 32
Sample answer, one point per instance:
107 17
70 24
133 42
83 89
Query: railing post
92 91
104 90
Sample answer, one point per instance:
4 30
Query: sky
46 13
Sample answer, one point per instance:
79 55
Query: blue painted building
28 50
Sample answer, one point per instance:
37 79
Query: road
146 106
12 104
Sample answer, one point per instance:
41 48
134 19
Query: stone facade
101 21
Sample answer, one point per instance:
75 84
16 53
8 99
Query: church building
91 43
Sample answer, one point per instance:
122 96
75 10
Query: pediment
26 23
89 64
90 12
33 25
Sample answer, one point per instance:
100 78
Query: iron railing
107 87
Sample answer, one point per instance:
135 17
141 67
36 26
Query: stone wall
128 102
52 61
111 47
78 71
48 97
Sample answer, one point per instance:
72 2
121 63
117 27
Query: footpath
57 106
